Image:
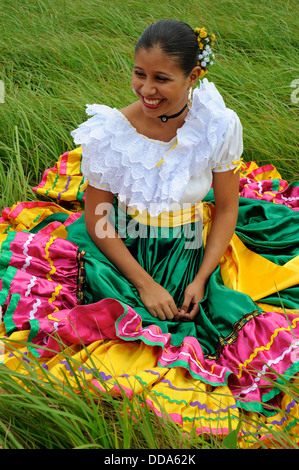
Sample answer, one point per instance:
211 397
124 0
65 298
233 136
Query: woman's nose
148 88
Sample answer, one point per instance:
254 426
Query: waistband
176 218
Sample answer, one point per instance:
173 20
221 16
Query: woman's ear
194 75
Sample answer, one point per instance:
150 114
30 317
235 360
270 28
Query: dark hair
176 39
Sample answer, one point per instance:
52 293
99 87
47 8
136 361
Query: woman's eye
139 74
142 75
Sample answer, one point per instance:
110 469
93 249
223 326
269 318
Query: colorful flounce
57 292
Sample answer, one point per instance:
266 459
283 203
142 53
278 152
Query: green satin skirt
172 256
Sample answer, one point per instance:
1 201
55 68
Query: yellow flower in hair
212 37
201 45
203 33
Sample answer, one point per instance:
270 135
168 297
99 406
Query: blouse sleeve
93 139
228 153
93 178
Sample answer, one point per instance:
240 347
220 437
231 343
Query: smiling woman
165 70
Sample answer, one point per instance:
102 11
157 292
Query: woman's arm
156 299
226 193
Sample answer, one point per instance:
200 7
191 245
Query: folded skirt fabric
57 288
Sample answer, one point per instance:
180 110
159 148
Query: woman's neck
153 128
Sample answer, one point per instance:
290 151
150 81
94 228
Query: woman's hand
158 301
226 192
194 293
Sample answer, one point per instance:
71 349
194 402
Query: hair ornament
206 56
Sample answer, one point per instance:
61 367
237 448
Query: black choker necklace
165 118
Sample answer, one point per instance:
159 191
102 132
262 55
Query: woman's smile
153 103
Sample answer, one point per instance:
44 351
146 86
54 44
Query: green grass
56 57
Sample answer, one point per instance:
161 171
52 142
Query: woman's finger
186 304
153 313
190 316
160 314
169 312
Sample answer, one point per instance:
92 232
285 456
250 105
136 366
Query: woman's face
159 82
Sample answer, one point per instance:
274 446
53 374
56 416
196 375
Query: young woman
199 143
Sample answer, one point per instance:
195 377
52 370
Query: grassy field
57 56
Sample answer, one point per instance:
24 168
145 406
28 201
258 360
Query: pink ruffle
40 277
263 350
264 183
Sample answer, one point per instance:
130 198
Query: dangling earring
190 97
133 91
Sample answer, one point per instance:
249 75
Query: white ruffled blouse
153 175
